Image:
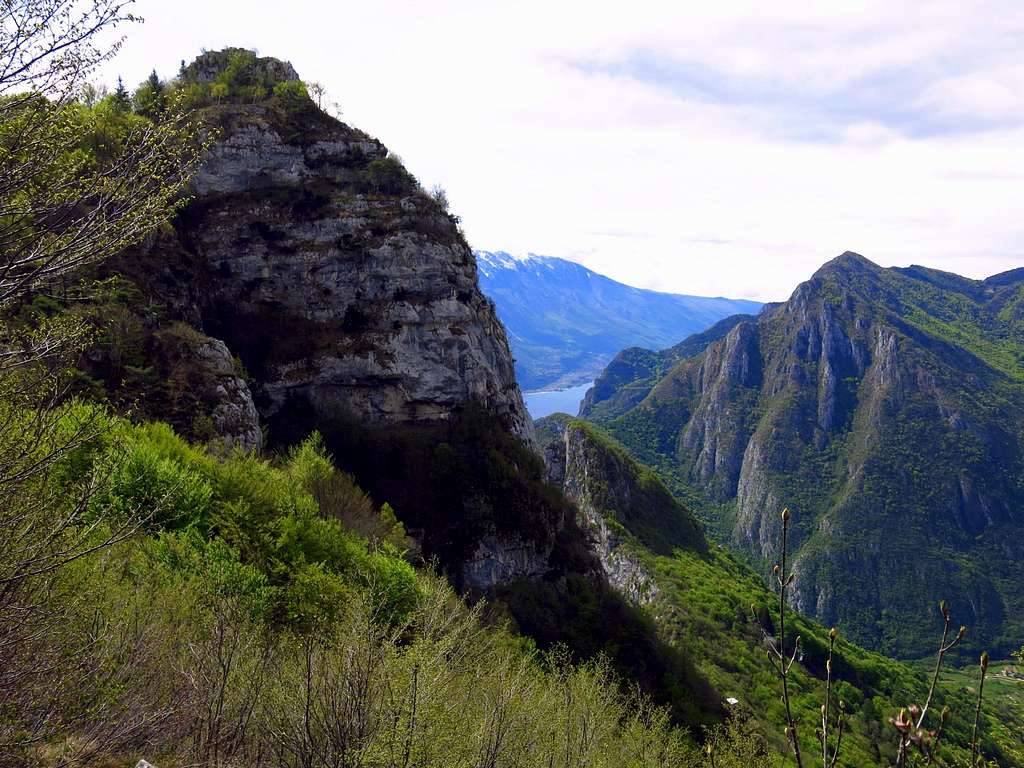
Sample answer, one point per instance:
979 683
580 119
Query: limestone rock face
234 416
619 504
503 558
347 292
716 433
580 475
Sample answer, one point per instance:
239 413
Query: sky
724 149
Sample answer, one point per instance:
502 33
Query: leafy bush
145 480
387 176
265 515
292 94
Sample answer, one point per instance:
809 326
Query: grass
1004 702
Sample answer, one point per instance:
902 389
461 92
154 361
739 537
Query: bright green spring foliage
236 621
81 182
230 76
267 515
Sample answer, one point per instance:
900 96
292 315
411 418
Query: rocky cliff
634 371
621 504
311 284
344 289
886 408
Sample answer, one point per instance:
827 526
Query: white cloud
994 96
820 127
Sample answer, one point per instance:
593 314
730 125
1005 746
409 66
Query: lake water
541 404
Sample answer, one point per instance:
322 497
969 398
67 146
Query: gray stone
570 467
375 296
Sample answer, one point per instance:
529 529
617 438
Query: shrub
292 94
141 481
387 176
439 196
339 498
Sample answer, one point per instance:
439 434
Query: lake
541 404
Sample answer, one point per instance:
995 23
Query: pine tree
151 97
122 99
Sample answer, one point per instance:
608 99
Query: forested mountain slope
886 408
310 284
702 599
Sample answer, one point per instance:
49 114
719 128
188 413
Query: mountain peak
848 272
249 68
503 259
884 407
848 261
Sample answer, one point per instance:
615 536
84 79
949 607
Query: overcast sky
723 148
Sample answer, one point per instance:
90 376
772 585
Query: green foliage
737 744
387 176
216 627
143 480
86 158
81 181
267 515
106 127
704 607
291 94
150 99
238 76
214 566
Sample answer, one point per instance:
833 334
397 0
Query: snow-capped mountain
565 322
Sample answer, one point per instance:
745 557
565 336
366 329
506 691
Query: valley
292 476
565 322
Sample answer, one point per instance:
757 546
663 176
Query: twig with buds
910 722
983 662
781 661
829 760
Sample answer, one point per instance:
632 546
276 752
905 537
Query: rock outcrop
343 287
309 284
620 504
633 372
206 370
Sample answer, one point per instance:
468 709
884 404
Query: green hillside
703 607
243 607
886 408
269 494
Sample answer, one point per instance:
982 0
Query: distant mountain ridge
565 321
886 408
